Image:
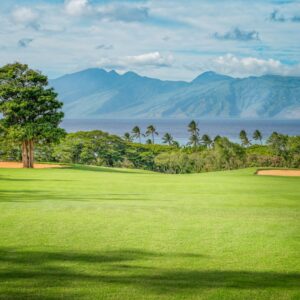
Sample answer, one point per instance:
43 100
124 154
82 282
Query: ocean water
178 128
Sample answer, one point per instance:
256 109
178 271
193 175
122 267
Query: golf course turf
100 233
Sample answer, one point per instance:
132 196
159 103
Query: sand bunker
279 172
18 165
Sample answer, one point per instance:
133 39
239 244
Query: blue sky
168 39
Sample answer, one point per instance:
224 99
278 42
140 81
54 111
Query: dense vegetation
199 155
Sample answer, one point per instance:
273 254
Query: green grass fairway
97 233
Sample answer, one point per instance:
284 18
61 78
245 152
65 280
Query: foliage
102 149
91 147
244 138
151 130
30 109
168 139
136 133
206 140
193 129
127 137
257 136
223 156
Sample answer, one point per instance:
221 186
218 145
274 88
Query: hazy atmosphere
169 39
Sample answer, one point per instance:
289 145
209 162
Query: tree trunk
31 153
27 153
24 154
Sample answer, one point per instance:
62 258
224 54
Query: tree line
102 149
195 139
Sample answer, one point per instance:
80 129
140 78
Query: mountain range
96 93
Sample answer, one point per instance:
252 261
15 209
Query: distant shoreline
178 127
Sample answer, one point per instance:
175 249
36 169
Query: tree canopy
30 109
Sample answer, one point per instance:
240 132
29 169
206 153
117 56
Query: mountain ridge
97 93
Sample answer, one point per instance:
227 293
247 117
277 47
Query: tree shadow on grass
109 170
32 179
45 195
41 274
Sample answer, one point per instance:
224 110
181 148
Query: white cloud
25 16
245 66
154 59
110 12
76 7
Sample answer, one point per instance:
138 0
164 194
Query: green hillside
100 233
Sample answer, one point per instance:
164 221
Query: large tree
30 110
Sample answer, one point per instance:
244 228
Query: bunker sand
278 172
18 165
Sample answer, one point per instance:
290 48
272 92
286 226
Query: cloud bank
164 39
230 64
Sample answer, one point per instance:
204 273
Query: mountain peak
113 72
131 74
93 71
210 76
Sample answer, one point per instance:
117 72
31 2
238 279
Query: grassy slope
92 233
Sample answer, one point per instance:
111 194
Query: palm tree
194 130
206 140
193 127
168 139
127 137
244 138
273 138
194 140
217 137
257 136
136 133
151 130
176 144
